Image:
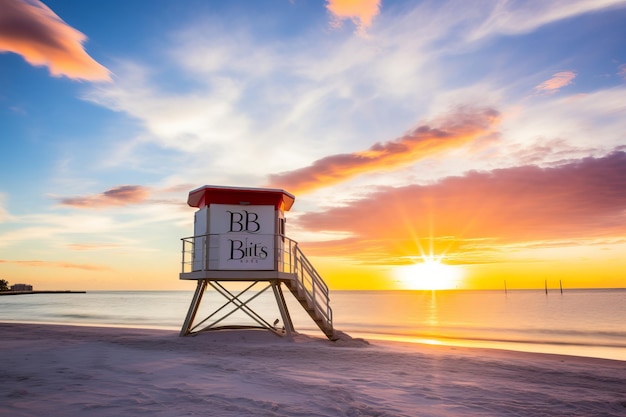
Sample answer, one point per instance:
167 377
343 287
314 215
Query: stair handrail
314 286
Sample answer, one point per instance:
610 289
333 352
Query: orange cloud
454 131
360 12
119 196
473 215
50 264
558 81
29 28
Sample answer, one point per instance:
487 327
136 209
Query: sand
48 370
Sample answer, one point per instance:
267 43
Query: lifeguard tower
239 238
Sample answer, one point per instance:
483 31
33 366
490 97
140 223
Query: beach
60 370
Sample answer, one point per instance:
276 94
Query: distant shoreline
41 292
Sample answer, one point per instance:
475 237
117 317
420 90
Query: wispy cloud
118 196
558 81
332 98
360 12
105 228
621 71
452 132
31 29
327 95
581 199
4 214
522 17
574 122
53 264
91 246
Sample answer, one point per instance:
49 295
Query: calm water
578 322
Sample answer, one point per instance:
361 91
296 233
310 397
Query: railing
315 289
200 254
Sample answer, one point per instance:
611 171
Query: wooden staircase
311 291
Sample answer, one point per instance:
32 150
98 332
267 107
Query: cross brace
235 302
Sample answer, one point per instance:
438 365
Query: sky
429 144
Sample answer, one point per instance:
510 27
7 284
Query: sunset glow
429 274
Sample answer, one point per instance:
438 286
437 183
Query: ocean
580 322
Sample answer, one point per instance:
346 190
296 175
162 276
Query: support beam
193 307
282 306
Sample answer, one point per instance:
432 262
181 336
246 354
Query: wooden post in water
546 285
561 286
505 287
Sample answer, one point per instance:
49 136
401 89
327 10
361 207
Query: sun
430 274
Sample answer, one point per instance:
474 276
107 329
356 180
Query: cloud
453 131
479 212
118 196
329 95
622 71
52 264
558 81
31 29
591 123
547 151
360 12
92 246
509 17
4 213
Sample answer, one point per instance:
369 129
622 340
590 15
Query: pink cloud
455 130
29 28
474 214
622 71
360 12
118 196
547 149
558 81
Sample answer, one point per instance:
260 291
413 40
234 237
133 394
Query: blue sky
111 112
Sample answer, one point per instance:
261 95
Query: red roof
215 194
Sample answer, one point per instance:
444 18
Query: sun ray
429 274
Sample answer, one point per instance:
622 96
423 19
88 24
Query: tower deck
289 268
